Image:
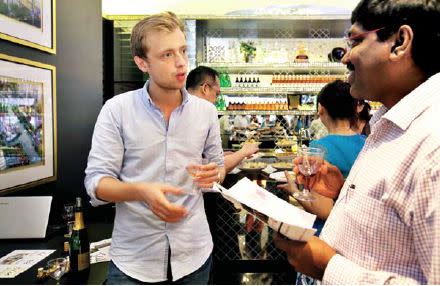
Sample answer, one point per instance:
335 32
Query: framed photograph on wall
28 152
29 22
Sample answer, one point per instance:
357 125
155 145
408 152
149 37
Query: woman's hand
327 181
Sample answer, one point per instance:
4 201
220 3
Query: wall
79 93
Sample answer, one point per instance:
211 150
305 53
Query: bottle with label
79 247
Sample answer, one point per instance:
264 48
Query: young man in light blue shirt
142 143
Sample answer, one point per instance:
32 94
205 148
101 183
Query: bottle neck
79 221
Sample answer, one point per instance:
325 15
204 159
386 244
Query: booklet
283 217
19 261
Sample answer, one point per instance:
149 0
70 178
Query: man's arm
232 160
104 166
113 190
317 259
425 209
213 152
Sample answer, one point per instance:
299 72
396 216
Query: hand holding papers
278 214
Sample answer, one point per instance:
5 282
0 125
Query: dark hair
364 114
337 100
198 75
420 15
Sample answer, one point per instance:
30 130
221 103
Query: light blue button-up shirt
133 143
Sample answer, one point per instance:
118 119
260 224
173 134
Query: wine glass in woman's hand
310 160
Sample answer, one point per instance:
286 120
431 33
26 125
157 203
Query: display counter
98 271
243 249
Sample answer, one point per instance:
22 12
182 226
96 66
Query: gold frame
51 50
52 69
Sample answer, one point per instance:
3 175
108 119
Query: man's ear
320 109
204 90
141 63
402 43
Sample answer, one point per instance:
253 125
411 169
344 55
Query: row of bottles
247 81
255 80
258 106
256 103
294 79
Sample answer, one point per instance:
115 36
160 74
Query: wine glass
310 162
68 215
194 168
57 267
68 212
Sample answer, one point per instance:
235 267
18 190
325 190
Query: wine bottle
79 250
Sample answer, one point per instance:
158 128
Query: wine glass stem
306 186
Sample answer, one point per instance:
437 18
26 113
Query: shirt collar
146 98
412 105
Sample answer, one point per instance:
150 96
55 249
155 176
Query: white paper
234 171
295 222
99 251
19 261
280 176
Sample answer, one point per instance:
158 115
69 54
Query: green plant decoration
248 50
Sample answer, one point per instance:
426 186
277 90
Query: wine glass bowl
57 267
193 170
310 162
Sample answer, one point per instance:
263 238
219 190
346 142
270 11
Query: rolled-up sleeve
213 150
341 271
107 151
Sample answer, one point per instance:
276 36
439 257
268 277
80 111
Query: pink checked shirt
385 226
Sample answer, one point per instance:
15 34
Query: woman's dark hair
420 15
364 114
337 100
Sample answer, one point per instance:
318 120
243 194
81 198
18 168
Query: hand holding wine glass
309 162
203 175
327 182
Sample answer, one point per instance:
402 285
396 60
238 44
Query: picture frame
30 23
28 143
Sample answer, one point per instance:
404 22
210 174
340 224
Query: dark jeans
198 277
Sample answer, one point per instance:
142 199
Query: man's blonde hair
165 21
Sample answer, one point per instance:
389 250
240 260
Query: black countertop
98 271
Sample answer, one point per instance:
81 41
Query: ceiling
228 7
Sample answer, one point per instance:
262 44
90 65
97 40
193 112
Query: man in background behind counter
204 82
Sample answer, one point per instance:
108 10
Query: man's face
167 60
368 62
212 89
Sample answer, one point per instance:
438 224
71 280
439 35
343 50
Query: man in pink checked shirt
385 225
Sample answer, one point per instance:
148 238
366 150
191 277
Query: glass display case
271 69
